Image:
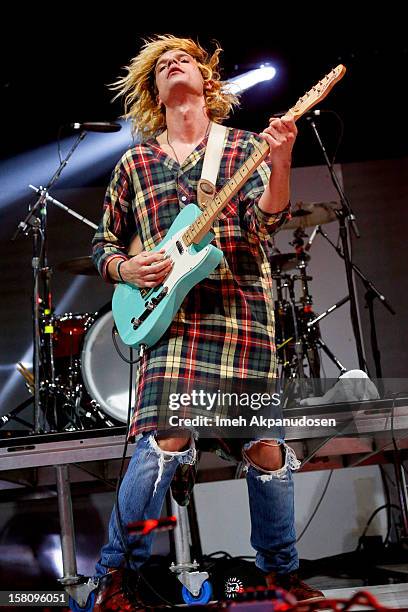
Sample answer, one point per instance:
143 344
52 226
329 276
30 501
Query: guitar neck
204 222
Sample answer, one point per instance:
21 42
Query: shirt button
183 198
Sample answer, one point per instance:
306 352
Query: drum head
105 374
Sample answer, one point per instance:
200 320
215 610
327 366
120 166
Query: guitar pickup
136 322
180 247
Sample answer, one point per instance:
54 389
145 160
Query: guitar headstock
318 92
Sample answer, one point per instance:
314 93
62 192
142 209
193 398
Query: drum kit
84 382
297 333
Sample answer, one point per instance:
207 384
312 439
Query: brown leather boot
112 595
293 585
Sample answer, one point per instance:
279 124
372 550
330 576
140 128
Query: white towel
352 386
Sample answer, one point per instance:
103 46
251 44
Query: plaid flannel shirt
225 326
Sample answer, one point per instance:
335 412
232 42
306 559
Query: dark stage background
55 68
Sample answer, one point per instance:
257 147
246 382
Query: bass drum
105 374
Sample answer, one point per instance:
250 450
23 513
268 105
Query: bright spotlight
248 79
96 154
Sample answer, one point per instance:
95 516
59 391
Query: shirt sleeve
263 224
117 226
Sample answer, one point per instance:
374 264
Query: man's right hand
147 269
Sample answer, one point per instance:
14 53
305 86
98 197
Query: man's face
176 73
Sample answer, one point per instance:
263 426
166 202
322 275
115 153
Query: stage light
248 79
91 159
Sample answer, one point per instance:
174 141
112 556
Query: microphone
317 112
312 113
312 237
97 126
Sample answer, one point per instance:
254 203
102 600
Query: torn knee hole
173 445
266 455
166 457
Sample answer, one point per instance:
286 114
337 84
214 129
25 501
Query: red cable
362 598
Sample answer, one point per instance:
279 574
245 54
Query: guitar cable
130 361
119 522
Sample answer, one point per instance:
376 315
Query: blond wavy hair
138 86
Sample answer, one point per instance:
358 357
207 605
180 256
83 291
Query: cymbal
307 214
79 265
286 261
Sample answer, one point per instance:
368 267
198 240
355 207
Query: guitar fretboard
222 198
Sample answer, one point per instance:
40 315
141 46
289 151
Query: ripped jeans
148 478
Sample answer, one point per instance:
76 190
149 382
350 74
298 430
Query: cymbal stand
319 342
42 309
345 215
298 243
306 305
298 338
290 354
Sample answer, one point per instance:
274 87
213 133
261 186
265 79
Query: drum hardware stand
42 309
319 342
13 415
282 309
306 301
305 332
370 295
298 340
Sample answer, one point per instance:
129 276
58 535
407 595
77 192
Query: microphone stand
371 293
65 208
36 221
345 214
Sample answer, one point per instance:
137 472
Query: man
225 326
